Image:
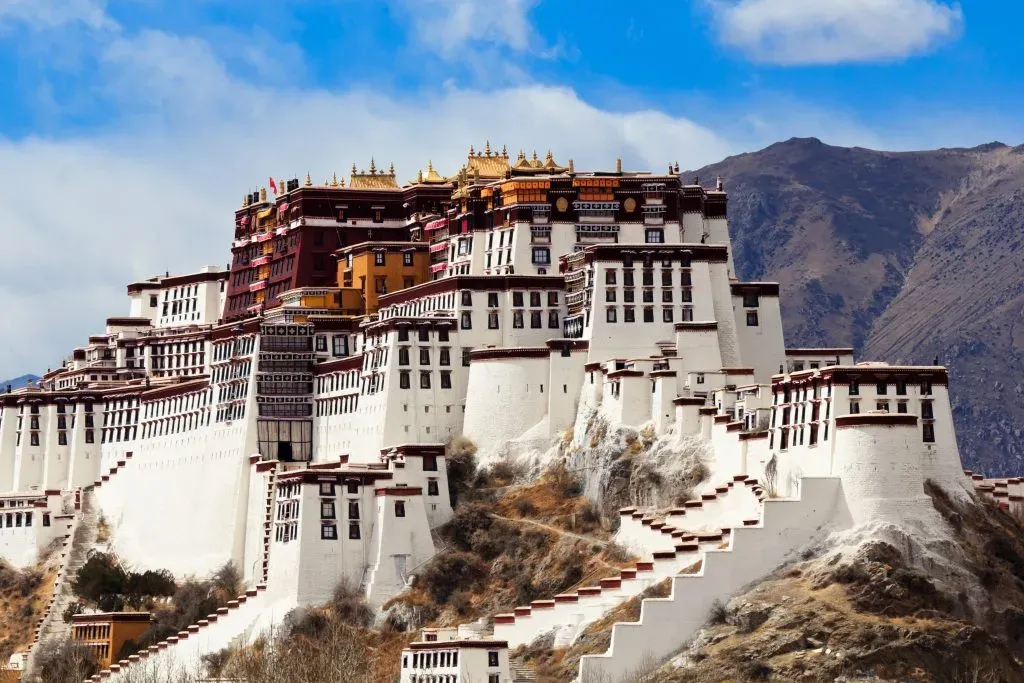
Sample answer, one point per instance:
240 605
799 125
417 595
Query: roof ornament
430 165
696 180
572 169
719 185
373 167
334 180
245 201
670 168
281 184
504 151
677 167
263 194
618 164
419 176
534 157
391 168
470 150
487 149
309 181
549 159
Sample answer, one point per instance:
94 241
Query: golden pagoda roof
486 164
374 179
430 176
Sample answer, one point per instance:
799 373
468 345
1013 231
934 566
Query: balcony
261 261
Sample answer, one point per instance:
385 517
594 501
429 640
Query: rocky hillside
907 257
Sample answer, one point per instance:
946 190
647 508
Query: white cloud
447 27
797 32
50 14
82 218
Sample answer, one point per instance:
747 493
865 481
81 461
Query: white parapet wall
666 623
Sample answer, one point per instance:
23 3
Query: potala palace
290 412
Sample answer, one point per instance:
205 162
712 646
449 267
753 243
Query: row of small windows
647 296
13 520
185 403
647 278
405 379
239 346
176 425
337 406
518 320
230 371
629 314
336 381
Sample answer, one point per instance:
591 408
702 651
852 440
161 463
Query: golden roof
374 180
430 177
486 164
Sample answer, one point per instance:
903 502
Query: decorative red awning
257 286
436 224
281 209
438 246
263 237
438 267
261 261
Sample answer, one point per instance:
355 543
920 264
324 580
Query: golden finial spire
487 149
341 182
353 169
522 156
504 151
534 155
430 165
618 164
309 181
549 158
391 168
373 167
263 194
572 169
245 201
677 167
471 150
419 176
334 180
281 187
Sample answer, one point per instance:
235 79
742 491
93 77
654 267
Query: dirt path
561 532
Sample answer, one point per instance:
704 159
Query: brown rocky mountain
907 257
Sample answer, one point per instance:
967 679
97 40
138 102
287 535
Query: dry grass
554 499
23 597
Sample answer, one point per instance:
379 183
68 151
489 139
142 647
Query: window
517 319
901 407
407 258
493 678
380 285
352 487
89 438
609 295
666 278
326 489
629 314
654 236
553 320
629 296
467 297
404 382
467 321
34 439
686 314
353 531
854 389
492 659
466 357
403 355
926 410
446 379
882 405
751 300
552 298
536 321
882 388
901 388
430 463
535 299
926 388
326 509
445 357
541 255
424 380
751 318
432 488
492 320
666 296
648 296
329 532
378 258
928 432
666 315
424 356
62 438
517 298
610 314
648 314
399 508
403 334
492 299
353 509
424 334
854 407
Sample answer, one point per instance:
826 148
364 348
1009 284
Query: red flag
273 185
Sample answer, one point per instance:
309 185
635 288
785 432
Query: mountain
907 257
18 382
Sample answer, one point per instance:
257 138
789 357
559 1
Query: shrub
460 455
718 613
99 578
564 482
228 580
525 508
468 520
450 572
67 661
348 604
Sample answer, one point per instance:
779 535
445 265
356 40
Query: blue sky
130 129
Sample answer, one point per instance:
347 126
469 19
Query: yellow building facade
378 268
105 634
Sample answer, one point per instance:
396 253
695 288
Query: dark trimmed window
399 508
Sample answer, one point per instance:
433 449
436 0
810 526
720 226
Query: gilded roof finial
430 165
309 181
549 158
341 182
353 169
534 155
572 169
373 167
504 151
471 150
676 170
487 149
522 156
618 164
263 194
391 168
334 180
281 187
245 201
419 176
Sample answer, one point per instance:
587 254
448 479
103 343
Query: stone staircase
51 628
750 553
522 672
268 526
668 550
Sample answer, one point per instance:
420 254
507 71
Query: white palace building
290 413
